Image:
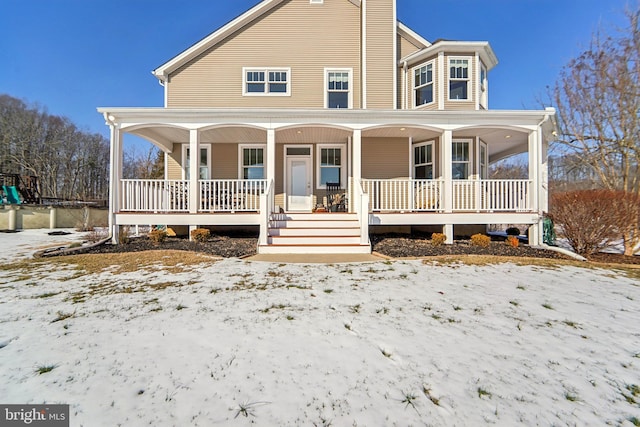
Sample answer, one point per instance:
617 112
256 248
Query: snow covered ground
399 343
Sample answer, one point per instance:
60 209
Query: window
483 85
423 85
483 161
338 84
423 161
330 165
252 162
261 81
204 162
458 79
460 160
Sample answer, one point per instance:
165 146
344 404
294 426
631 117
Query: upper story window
483 85
252 162
423 85
264 81
458 79
338 85
423 161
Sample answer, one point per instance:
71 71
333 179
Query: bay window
423 85
458 79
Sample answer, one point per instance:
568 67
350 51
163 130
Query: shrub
513 241
513 231
124 236
200 235
157 236
438 239
587 218
480 240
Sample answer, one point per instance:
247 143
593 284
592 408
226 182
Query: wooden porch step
314 249
314 240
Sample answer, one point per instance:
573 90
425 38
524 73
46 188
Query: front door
299 197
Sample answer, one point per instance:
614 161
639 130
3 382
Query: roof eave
482 47
410 34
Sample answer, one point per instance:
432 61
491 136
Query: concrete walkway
315 258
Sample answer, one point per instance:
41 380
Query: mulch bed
224 246
398 246
392 245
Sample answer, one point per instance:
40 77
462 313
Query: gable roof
217 36
412 36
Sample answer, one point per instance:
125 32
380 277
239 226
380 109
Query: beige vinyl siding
305 37
405 47
225 161
380 60
469 104
174 160
385 158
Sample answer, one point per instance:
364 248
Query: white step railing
416 195
231 195
152 195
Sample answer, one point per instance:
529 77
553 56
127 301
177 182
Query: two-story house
300 108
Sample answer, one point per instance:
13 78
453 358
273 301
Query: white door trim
307 204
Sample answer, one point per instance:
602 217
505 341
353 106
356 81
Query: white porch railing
492 195
224 195
152 195
231 195
403 195
414 195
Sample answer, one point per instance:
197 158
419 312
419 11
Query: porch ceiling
502 142
312 134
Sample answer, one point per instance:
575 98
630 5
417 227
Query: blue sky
75 55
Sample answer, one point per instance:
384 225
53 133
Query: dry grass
169 261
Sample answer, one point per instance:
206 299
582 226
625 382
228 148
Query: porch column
535 231
115 175
194 170
357 156
447 176
271 155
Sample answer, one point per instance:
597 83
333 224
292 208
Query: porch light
402 129
507 136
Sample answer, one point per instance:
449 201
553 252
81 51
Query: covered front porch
391 167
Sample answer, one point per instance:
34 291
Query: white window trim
241 148
185 147
468 79
413 83
326 84
343 166
413 159
266 71
471 145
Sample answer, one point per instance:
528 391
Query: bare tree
598 102
71 164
